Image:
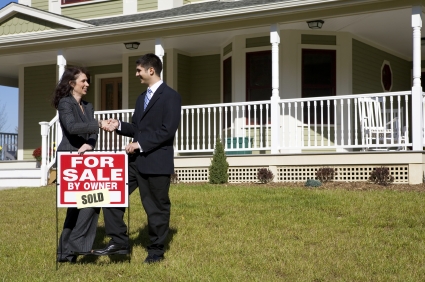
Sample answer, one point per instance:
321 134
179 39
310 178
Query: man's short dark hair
150 61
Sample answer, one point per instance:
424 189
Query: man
154 124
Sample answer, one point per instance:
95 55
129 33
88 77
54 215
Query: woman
80 131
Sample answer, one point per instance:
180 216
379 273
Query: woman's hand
85 147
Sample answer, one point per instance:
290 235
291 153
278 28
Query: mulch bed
353 186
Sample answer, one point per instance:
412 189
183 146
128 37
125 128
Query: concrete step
19 174
17 164
19 182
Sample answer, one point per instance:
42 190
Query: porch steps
19 174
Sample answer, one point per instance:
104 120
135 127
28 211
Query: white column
417 100
21 113
275 41
129 7
159 51
55 6
25 2
169 4
43 170
61 61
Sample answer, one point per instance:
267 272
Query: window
386 76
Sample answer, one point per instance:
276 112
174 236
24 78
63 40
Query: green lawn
233 233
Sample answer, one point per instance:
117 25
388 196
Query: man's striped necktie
148 97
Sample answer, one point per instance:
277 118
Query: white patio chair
375 130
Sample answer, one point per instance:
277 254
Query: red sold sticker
94 179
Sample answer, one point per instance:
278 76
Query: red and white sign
94 179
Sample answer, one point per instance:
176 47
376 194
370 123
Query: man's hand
130 148
85 147
110 125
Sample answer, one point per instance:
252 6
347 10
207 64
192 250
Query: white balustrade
334 123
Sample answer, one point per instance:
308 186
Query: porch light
131 45
317 24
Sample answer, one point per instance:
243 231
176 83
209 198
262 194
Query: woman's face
80 85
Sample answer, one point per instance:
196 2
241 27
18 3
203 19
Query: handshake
109 125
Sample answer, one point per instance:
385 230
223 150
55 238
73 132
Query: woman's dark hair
64 88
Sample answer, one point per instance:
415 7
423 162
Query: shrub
219 165
313 183
174 178
381 175
325 174
265 175
37 154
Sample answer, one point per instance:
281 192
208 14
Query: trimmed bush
219 165
381 175
325 174
265 175
174 178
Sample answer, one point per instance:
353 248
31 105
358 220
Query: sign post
93 179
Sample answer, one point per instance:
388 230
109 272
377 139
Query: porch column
61 61
274 107
44 149
417 104
159 51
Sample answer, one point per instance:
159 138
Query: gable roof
12 9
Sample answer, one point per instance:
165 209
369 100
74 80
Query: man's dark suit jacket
77 128
154 129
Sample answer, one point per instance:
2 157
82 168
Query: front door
111 99
318 80
111 94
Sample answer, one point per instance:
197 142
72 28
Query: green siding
257 42
318 39
40 81
367 63
21 23
227 49
96 70
147 5
205 80
199 79
135 88
95 10
184 78
40 4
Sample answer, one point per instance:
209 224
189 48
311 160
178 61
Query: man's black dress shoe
112 250
153 258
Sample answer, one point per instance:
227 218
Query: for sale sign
94 179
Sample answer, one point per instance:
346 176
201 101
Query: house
285 84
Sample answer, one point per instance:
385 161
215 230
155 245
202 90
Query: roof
187 9
14 8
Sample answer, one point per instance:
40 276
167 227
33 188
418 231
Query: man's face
144 74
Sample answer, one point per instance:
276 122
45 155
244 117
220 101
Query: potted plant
37 155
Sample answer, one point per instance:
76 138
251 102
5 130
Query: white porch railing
8 146
331 123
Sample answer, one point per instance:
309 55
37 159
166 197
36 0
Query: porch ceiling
390 30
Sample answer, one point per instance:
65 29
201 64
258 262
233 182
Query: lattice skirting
344 173
294 173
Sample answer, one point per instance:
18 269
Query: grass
233 233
